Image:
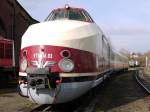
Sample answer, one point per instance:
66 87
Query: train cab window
58 15
76 15
70 14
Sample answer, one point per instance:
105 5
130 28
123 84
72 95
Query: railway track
78 105
41 108
53 108
57 108
145 84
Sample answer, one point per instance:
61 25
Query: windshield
71 14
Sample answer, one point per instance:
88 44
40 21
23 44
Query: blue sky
125 22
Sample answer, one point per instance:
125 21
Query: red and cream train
64 57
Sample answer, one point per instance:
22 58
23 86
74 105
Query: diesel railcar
64 57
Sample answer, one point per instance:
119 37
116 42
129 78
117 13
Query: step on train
64 57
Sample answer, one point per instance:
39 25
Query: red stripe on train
84 61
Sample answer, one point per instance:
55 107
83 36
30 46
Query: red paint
84 61
6 53
6 62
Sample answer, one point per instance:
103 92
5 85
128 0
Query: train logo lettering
43 55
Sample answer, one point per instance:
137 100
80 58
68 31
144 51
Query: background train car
7 62
120 62
133 63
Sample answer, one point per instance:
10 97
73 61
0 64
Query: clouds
133 43
126 22
133 38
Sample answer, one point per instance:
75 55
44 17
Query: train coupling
44 81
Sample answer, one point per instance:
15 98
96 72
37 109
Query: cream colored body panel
75 34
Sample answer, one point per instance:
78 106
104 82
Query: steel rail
141 83
42 108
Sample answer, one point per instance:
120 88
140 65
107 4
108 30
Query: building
14 20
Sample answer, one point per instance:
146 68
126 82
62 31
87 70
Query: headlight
66 65
23 65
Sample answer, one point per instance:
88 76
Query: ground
10 101
120 93
123 94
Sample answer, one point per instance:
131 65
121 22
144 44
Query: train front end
54 54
